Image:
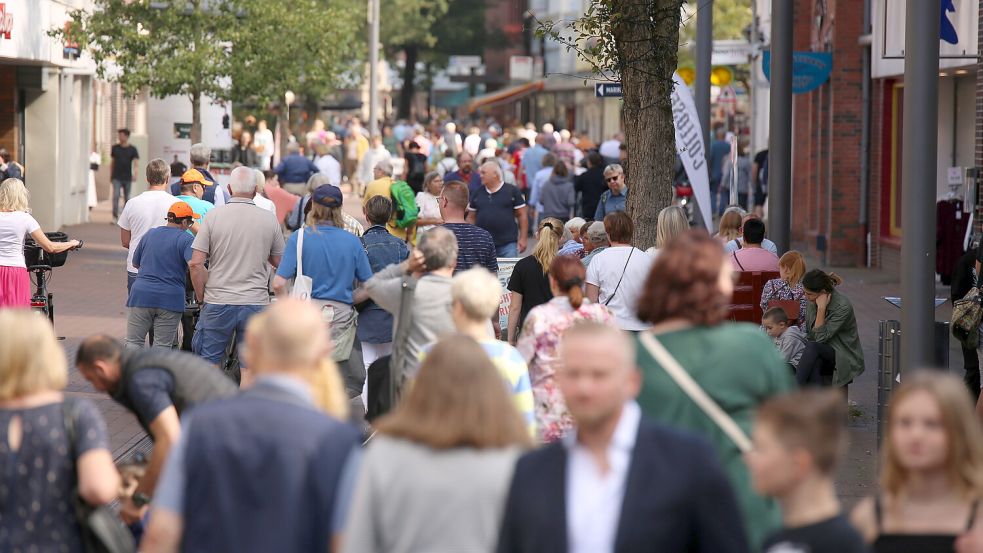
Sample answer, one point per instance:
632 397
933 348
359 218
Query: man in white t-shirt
263 143
144 212
616 276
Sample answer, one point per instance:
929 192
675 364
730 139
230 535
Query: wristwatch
140 499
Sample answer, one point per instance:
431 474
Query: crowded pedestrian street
491 276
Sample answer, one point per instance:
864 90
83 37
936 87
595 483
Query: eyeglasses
614 178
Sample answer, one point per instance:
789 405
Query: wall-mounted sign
607 90
810 70
182 130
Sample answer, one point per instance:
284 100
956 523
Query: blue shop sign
809 69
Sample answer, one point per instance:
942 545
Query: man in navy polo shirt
265 470
294 170
499 208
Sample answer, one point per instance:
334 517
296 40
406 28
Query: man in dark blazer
620 483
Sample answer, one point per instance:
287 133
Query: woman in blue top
334 259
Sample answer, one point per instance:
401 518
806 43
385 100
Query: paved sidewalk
866 288
90 297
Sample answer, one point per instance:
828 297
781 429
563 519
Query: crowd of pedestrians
380 406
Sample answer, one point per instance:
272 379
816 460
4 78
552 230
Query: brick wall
828 122
8 109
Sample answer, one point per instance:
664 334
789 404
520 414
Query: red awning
505 95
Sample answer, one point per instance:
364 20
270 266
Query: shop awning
505 95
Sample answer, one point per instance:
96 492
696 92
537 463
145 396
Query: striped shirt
474 247
512 367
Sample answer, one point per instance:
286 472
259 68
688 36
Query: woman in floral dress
540 340
788 287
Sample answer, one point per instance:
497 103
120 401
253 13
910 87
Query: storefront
46 108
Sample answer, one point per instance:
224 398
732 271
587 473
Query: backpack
404 204
966 316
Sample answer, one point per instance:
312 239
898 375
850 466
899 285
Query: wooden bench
745 305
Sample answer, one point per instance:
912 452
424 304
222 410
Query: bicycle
41 263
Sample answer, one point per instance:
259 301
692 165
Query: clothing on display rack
950 232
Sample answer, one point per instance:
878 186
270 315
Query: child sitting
798 439
789 339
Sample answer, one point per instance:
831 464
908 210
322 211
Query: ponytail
820 282
550 231
574 292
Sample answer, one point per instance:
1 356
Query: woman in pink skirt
15 224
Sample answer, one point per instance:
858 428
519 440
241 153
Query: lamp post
373 67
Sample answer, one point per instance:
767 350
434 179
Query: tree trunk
646 36
195 117
412 53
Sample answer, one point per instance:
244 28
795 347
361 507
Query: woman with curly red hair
685 299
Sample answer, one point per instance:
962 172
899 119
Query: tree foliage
634 42
731 18
407 26
235 50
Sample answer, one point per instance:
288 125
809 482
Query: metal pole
780 128
704 58
373 67
918 173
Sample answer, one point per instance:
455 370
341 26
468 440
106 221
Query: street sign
607 90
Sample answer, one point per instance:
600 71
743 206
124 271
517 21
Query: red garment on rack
950 231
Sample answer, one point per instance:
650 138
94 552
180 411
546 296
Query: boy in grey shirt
789 339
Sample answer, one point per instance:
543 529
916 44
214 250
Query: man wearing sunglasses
614 198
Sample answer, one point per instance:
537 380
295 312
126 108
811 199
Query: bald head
290 336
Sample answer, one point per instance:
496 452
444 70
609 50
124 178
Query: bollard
888 357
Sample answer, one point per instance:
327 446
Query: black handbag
101 528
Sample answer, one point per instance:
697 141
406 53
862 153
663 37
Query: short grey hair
385 166
316 181
260 180
439 248
293 148
614 168
200 154
498 168
596 233
478 292
242 181
574 224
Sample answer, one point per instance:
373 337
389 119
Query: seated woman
788 287
830 321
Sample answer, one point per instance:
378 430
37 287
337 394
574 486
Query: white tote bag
303 285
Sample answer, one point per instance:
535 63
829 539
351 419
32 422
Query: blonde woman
931 469
730 225
530 284
436 475
671 223
44 460
334 259
788 287
16 223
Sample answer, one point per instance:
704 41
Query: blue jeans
507 250
216 325
120 186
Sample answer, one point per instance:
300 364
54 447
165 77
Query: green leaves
228 49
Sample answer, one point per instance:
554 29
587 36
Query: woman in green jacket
830 321
686 298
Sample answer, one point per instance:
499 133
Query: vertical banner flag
690 147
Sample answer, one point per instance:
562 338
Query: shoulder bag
694 391
303 285
623 271
401 333
101 528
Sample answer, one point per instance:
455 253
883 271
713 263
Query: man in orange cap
192 187
157 297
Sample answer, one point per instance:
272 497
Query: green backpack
404 204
